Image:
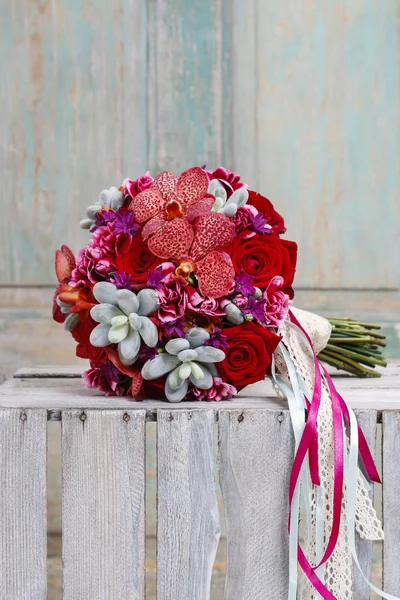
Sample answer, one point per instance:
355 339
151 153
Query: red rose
84 348
264 206
248 357
137 262
265 256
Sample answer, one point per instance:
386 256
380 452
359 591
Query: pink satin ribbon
309 443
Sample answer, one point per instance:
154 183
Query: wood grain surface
255 457
188 519
103 512
23 520
391 495
301 98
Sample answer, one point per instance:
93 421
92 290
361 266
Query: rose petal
173 240
201 207
192 185
147 204
64 263
213 231
166 183
215 275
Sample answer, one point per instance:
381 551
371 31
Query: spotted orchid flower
177 218
123 320
185 359
223 204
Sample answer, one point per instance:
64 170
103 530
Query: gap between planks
55 414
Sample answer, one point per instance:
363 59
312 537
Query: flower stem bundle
355 347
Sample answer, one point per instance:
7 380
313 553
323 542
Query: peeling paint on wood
301 98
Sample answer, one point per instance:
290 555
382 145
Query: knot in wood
126 417
83 417
241 418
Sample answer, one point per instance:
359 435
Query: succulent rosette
182 287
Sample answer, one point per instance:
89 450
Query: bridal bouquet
184 291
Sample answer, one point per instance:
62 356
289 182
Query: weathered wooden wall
300 96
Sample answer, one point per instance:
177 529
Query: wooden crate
103 504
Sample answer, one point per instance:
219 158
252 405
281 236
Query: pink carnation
90 270
219 391
173 298
132 188
276 303
203 304
105 378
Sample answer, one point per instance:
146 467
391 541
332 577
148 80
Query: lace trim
338 569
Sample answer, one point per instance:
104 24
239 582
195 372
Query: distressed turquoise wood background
300 96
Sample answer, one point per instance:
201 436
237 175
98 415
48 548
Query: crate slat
103 510
188 517
361 590
391 501
23 513
256 454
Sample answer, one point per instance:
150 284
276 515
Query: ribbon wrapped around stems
325 477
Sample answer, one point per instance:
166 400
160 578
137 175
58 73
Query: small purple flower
256 308
244 284
147 353
103 217
260 224
106 378
217 339
154 278
125 222
175 329
122 280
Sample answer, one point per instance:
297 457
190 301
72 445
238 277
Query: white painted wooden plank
391 505
76 371
48 371
188 518
256 453
103 518
361 591
74 96
23 522
57 394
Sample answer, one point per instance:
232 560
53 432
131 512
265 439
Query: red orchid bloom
176 212
80 300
